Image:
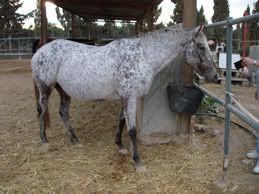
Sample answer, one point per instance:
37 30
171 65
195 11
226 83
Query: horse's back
89 72
84 72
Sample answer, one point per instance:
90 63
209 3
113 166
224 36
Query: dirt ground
95 166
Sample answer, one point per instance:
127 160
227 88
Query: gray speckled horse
123 69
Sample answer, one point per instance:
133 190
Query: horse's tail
39 110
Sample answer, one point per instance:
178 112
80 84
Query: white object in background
223 60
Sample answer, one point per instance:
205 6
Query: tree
54 31
156 14
177 16
159 26
201 19
237 37
86 27
221 12
170 23
65 19
10 21
37 20
254 25
126 29
108 27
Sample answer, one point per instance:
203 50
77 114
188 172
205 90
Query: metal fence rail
240 111
16 47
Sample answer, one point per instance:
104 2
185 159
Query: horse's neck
162 48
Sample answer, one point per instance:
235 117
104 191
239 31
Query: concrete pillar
159 122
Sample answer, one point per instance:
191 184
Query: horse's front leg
130 113
118 133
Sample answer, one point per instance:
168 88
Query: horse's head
197 54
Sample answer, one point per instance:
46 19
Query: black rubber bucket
184 99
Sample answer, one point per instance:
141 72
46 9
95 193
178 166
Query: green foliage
126 29
157 13
177 16
54 31
254 25
37 19
208 105
237 33
221 12
201 19
65 19
10 21
237 37
159 26
209 33
170 23
86 28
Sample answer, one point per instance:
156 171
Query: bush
208 105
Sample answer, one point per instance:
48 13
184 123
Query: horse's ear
199 30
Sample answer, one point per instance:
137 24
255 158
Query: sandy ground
96 167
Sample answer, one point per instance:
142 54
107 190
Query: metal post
245 27
227 95
10 43
19 49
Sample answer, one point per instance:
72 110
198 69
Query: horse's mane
168 32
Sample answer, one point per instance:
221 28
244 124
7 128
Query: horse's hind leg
130 113
64 108
44 93
118 133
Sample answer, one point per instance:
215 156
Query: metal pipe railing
233 21
228 107
239 110
213 96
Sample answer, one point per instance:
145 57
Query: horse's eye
201 47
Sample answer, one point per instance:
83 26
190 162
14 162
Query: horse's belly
90 91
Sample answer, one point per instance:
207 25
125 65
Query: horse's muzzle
215 79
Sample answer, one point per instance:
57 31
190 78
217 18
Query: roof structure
108 9
135 10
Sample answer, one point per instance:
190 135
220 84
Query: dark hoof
123 150
44 141
140 167
74 140
45 147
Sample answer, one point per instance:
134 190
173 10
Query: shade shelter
131 10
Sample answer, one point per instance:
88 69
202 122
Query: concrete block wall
159 123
